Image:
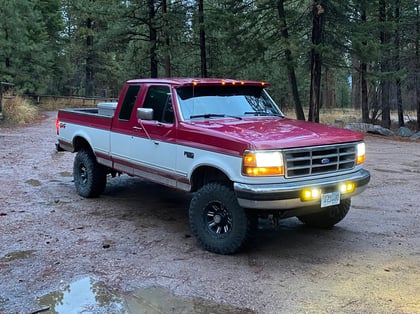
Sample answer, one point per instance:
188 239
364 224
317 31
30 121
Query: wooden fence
67 101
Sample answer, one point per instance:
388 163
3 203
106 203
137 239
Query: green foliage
82 47
28 37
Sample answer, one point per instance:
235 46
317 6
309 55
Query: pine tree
27 31
290 61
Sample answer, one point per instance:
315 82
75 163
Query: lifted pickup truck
225 141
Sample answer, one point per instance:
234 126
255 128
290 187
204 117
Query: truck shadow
150 205
290 233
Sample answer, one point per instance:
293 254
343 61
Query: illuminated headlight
361 153
262 163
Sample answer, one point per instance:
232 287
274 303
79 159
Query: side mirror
145 113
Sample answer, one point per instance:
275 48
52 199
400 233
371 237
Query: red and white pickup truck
225 141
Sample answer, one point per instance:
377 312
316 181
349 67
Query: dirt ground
130 251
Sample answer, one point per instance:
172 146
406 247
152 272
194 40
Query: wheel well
80 143
206 174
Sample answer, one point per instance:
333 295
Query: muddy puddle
16 255
90 296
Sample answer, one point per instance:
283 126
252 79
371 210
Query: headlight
361 153
262 163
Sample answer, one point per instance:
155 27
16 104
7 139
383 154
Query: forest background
316 54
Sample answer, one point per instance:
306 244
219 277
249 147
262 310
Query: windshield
199 102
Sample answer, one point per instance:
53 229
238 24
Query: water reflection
90 296
83 296
156 300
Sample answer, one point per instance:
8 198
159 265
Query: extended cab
228 143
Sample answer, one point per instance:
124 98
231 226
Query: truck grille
319 160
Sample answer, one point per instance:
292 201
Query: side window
159 99
128 103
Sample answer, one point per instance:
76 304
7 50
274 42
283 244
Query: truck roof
198 81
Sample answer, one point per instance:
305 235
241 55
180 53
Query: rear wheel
328 217
89 176
218 222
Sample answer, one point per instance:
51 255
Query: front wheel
328 217
89 176
218 222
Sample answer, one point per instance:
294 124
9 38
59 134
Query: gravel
136 237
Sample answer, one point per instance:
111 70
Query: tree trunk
300 115
315 90
356 76
167 58
203 55
365 96
385 83
330 97
6 37
398 64
417 81
152 39
89 81
363 79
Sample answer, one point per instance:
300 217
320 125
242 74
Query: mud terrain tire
328 217
218 222
89 176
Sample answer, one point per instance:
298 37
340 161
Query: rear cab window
129 101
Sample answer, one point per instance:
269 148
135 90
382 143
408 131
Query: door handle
136 128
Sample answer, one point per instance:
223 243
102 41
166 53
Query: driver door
153 148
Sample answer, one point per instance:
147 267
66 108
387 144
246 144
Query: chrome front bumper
288 195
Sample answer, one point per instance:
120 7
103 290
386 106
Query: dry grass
337 117
341 117
18 110
50 103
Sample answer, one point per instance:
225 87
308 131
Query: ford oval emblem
325 161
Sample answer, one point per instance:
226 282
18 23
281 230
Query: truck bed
85 116
100 117
90 111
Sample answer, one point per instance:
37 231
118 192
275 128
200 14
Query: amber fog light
310 194
347 187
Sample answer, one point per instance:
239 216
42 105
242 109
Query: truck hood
273 132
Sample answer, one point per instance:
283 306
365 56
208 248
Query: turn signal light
263 171
361 153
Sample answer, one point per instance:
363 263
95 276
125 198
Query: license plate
330 199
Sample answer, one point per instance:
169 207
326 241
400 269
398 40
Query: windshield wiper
213 115
263 113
